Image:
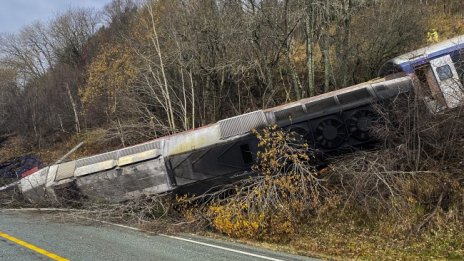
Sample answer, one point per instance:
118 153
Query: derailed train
226 150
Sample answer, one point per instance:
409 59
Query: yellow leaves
271 206
278 150
110 75
234 221
432 36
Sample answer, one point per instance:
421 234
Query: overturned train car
219 153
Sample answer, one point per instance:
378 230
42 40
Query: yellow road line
33 248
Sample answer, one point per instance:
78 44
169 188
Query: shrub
286 190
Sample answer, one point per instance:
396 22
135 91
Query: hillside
137 71
132 73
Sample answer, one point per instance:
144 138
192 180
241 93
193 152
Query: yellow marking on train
184 143
33 248
126 160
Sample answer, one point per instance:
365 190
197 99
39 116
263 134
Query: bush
271 205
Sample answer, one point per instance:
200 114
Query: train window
246 154
444 72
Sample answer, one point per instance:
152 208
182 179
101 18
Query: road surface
39 236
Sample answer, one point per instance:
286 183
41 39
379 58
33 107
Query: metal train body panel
440 67
407 62
199 159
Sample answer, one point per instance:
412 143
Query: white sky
15 14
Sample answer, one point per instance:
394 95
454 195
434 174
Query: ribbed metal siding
141 148
242 124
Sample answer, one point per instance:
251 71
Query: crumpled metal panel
242 124
65 170
34 181
156 144
112 155
116 185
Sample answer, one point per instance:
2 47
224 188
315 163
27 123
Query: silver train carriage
440 67
225 151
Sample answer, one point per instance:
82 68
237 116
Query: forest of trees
141 70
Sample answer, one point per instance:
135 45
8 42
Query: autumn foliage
271 205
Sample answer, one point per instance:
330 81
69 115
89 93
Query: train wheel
360 123
330 133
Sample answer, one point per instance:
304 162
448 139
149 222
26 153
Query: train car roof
427 53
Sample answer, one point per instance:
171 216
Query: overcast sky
14 14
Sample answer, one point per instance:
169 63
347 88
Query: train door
448 80
429 88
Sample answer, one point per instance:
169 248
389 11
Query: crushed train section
225 151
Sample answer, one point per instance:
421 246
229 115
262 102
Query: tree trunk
193 98
309 48
77 125
165 86
296 81
347 4
325 48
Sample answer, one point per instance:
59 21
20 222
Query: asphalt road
33 236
